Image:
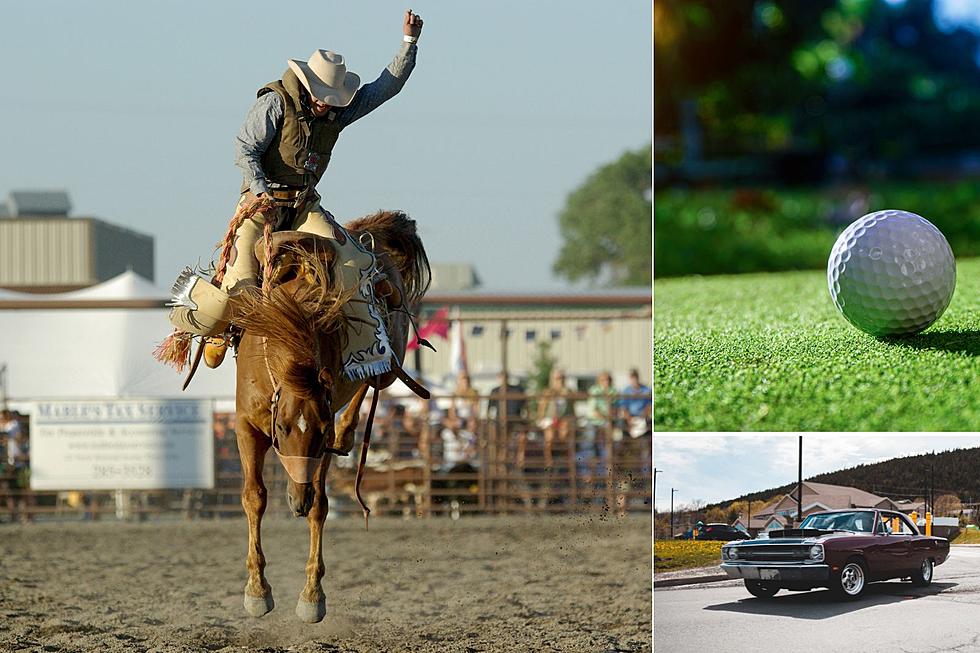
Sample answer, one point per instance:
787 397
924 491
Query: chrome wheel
852 579
923 576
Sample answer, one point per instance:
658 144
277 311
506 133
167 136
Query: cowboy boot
215 349
241 273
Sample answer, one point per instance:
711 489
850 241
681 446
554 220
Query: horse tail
396 234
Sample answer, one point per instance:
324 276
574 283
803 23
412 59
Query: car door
897 546
919 547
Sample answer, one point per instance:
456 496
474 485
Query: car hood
798 536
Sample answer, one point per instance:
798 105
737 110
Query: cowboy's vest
300 151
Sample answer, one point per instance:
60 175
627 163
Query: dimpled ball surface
891 273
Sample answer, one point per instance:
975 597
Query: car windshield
859 521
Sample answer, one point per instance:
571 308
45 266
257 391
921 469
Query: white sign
122 444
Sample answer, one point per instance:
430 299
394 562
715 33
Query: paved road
892 617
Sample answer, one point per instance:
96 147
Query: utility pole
799 486
671 536
655 472
925 495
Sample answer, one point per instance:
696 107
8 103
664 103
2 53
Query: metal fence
421 463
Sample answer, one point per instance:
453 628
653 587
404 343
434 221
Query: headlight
816 552
733 554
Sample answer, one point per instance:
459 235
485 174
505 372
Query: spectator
465 404
556 409
521 452
19 460
6 472
556 419
636 408
592 456
406 444
459 427
514 406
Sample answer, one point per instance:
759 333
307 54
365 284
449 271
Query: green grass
967 536
672 555
760 352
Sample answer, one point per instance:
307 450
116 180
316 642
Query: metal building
585 332
42 249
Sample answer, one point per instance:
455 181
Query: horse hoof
311 613
256 606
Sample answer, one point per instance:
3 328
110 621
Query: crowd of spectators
556 415
548 433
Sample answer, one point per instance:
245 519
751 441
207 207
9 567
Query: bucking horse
291 378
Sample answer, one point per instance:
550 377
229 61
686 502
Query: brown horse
290 381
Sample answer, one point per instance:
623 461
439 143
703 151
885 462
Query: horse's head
302 426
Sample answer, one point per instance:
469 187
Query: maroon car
843 550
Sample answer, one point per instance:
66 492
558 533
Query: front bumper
776 571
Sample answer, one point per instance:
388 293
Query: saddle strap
195 363
364 451
405 378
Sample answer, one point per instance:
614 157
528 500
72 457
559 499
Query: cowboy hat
326 77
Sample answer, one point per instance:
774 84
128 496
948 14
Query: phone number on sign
120 471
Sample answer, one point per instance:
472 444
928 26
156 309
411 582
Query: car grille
777 553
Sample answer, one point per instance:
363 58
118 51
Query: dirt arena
560 583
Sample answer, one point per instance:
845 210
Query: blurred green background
777 123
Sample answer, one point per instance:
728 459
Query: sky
715 468
133 107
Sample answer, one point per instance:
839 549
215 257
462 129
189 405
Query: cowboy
285 143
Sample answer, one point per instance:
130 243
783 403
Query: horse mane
306 304
293 316
396 234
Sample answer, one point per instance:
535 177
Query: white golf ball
891 273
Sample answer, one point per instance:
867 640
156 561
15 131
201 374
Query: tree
947 505
716 515
867 80
731 516
607 224
541 367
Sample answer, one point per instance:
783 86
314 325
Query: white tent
54 350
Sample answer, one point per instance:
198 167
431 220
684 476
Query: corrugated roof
633 296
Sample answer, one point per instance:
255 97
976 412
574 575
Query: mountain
954 472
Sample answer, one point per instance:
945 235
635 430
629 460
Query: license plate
769 574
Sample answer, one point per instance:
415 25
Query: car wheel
851 581
761 590
923 575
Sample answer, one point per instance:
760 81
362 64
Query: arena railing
501 465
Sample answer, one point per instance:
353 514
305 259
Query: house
815 498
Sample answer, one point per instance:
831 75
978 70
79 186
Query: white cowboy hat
326 77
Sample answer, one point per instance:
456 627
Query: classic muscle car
842 550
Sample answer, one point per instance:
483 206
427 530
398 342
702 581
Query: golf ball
891 273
